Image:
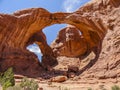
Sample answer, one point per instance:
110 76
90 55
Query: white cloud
70 5
34 48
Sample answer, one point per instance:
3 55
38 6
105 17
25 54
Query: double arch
25 27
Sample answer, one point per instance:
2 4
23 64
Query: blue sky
10 6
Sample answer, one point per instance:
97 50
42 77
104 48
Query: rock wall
24 27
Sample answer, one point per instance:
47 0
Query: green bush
63 88
7 79
66 88
27 84
115 87
7 82
89 88
16 87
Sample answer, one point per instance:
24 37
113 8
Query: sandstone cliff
94 20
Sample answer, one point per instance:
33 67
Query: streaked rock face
25 27
70 43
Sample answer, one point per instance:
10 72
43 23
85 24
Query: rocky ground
76 84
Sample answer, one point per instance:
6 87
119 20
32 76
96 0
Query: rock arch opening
35 49
52 31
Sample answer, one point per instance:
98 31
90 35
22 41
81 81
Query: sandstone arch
69 43
18 29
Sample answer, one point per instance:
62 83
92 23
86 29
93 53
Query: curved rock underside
94 19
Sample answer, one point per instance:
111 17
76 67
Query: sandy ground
77 85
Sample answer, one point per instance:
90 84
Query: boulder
59 79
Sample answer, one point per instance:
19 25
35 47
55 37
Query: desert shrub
7 82
16 87
28 84
25 84
66 88
115 87
89 88
63 88
7 79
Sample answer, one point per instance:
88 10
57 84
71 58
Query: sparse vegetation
7 82
63 88
89 88
66 88
115 87
7 79
26 84
16 87
29 84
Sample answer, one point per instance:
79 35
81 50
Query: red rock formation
48 58
108 64
93 20
69 43
19 30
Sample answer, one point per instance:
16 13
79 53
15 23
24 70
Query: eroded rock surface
69 42
94 20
